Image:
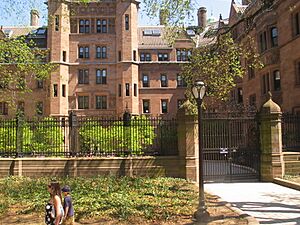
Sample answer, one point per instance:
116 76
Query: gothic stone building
276 34
106 63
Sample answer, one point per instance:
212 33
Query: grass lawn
111 200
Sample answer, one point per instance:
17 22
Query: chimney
34 18
202 17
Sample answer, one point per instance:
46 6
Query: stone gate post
187 131
272 164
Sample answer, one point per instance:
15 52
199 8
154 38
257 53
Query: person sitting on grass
68 206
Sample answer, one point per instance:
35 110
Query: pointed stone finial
270 95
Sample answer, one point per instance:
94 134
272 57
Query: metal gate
230 148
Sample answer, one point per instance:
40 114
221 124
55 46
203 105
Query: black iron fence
231 148
290 132
88 136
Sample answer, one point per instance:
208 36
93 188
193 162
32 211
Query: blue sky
16 12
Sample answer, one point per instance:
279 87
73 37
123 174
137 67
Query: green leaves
117 138
21 63
219 65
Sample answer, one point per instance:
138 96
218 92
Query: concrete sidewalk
269 203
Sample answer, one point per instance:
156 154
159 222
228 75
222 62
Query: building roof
151 37
13 32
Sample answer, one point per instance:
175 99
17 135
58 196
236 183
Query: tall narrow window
265 84
83 76
104 26
163 80
127 89
3 108
297 23
86 26
81 26
126 22
276 80
120 55
274 36
56 22
104 54
83 52
134 55
64 56
101 102
145 80
98 52
83 102
146 106
63 90
101 76
164 106
98 26
55 90
135 90
120 90
263 41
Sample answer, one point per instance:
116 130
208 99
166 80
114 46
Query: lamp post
198 91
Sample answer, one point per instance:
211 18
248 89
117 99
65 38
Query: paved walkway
269 203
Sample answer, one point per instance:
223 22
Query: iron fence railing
290 132
88 136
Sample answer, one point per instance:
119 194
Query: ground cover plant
110 200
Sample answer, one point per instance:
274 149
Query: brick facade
276 35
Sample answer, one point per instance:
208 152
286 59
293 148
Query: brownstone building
105 62
276 33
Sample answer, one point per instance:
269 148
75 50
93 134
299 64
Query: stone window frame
276 81
84 26
183 54
101 25
83 102
163 81
83 52
145 82
146 106
164 103
83 76
101 76
3 108
101 52
163 56
263 41
265 83
273 39
101 101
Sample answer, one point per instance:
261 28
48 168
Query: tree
117 138
218 65
21 63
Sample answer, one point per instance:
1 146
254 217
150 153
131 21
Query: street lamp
198 91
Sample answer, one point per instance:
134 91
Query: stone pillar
187 131
272 164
